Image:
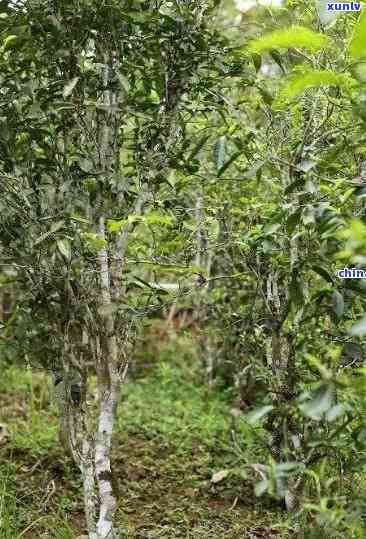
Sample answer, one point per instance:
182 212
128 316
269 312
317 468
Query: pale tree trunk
109 368
109 378
89 487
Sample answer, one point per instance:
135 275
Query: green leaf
295 36
124 82
335 411
79 219
319 404
197 148
268 230
86 165
257 61
9 41
94 241
115 226
228 163
261 487
338 303
276 56
285 467
158 288
145 283
219 152
297 83
322 272
268 246
258 413
359 329
357 46
293 220
349 192
65 248
155 218
68 88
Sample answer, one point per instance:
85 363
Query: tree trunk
108 380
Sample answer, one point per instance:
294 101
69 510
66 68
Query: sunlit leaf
115 226
64 247
320 402
68 88
357 46
297 83
258 413
295 36
359 329
338 303
261 487
9 40
219 152
335 412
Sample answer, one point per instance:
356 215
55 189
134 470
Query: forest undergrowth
175 460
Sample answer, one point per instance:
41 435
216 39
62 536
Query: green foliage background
247 134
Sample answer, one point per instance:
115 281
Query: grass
172 436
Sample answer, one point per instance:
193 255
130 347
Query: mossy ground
173 434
